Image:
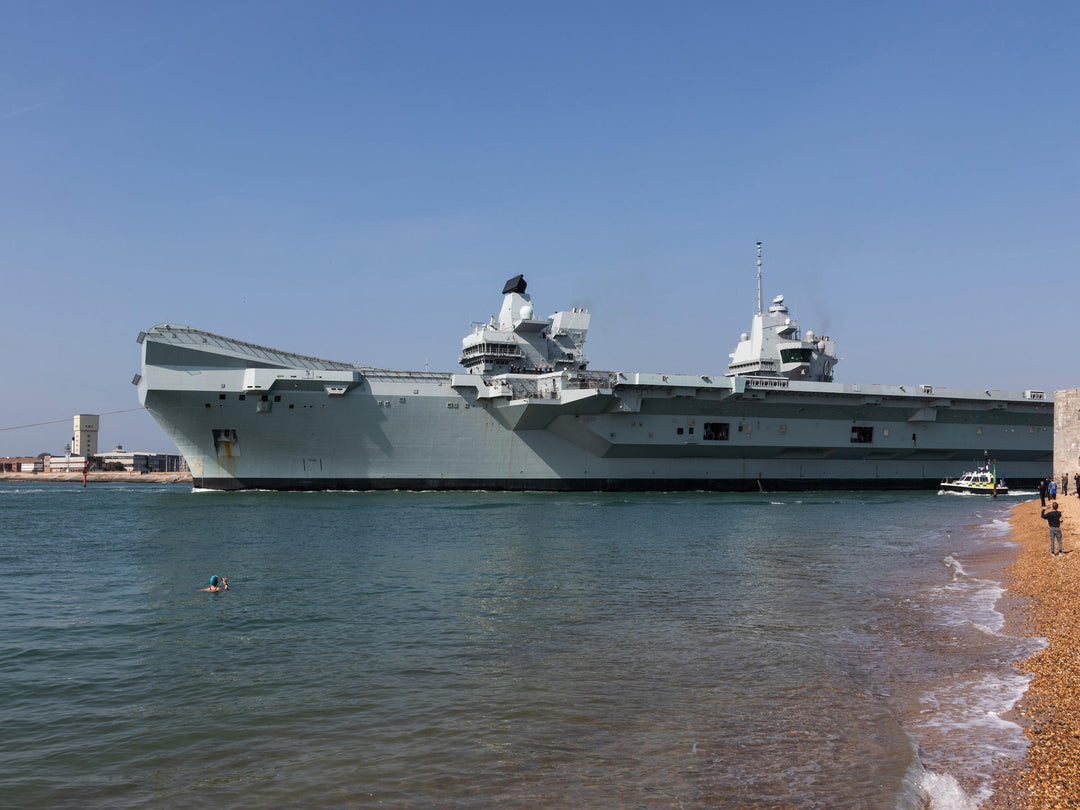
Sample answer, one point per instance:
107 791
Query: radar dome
527 312
744 337
810 336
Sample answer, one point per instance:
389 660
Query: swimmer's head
213 581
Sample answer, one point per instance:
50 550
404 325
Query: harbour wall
91 477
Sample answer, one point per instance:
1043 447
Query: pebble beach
1044 593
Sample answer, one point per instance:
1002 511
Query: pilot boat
981 481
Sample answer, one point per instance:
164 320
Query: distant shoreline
110 477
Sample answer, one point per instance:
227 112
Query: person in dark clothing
1076 484
1042 492
1053 520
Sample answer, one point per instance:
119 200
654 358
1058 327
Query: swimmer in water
217 584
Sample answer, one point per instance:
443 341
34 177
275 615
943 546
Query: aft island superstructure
528 414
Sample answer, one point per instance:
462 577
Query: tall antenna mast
760 300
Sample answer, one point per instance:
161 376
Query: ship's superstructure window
501 353
861 435
717 431
796 355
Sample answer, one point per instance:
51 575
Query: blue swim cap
213 581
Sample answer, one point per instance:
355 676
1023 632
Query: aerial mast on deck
760 300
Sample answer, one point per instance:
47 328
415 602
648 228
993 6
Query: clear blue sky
356 180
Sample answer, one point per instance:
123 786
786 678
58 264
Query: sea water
465 650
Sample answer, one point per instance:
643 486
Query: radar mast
760 300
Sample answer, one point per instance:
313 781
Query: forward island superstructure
528 414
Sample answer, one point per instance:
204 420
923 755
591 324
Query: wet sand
112 477
1044 600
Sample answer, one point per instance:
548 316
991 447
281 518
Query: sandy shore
125 477
1044 596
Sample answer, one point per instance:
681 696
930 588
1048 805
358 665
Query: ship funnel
515 285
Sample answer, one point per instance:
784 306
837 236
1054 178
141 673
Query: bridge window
796 355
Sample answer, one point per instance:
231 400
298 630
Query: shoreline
91 477
1043 594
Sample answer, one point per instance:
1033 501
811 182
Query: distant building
84 442
143 462
21 464
84 447
66 463
132 462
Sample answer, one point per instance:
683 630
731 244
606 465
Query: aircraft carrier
526 413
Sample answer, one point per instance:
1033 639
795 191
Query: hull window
717 431
861 435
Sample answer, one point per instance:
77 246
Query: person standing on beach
1042 492
1051 489
1053 520
1076 484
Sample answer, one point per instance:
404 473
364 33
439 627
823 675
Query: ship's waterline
530 415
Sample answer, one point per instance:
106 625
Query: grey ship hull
249 417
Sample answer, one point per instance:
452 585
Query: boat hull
563 485
949 487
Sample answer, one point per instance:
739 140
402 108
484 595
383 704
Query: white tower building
84 442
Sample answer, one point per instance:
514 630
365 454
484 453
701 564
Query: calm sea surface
471 650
